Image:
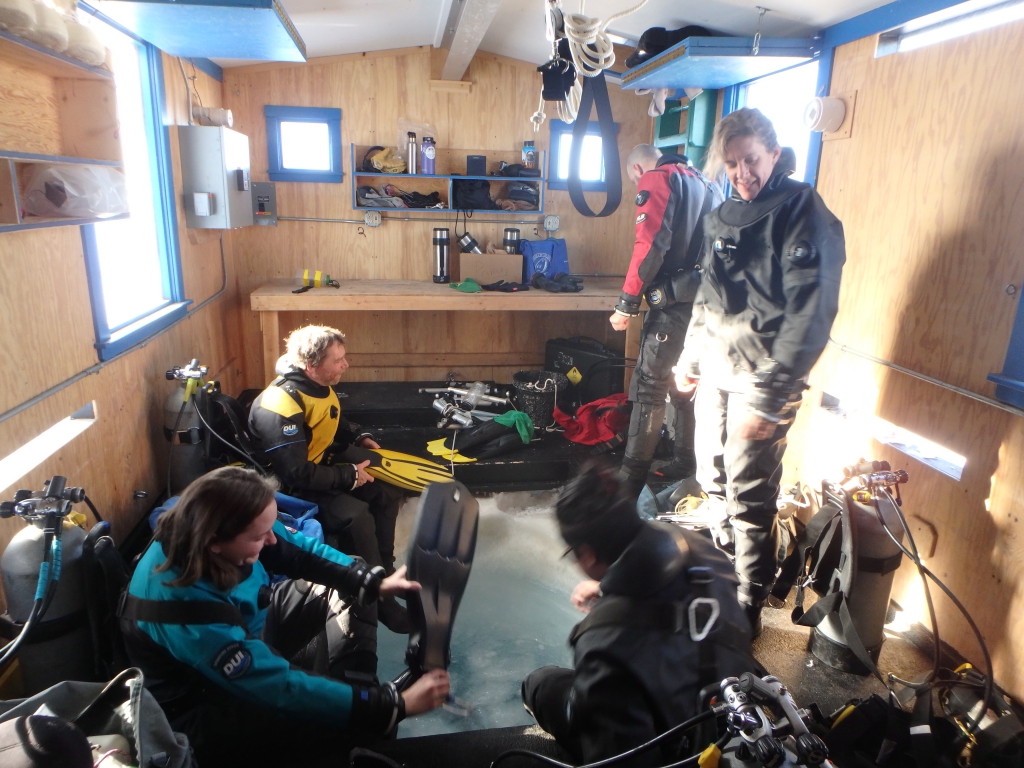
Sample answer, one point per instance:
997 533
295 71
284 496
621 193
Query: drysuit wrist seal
379 708
627 309
772 375
363 582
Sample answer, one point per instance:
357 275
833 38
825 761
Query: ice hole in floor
514 617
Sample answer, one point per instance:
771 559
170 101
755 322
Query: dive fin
437 448
400 469
440 558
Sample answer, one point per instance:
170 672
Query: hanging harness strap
179 611
595 91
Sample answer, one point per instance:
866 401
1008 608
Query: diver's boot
684 458
633 477
753 612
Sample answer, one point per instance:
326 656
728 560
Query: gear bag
598 422
549 257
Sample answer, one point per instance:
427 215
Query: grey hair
643 154
742 122
309 345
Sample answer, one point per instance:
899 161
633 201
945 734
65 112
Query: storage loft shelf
447 160
12 170
31 56
718 62
38 222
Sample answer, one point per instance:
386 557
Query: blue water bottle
428 154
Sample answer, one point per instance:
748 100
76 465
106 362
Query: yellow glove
387 162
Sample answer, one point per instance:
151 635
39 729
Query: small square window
591 157
303 144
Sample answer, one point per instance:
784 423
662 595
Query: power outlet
372 218
551 223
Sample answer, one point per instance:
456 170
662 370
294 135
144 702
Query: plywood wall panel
48 338
930 189
29 120
374 92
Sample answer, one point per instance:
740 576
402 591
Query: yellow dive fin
406 471
437 448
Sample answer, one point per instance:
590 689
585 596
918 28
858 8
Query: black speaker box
476 165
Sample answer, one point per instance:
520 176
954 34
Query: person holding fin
672 196
657 598
229 655
300 426
769 294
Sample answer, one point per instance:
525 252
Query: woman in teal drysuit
221 648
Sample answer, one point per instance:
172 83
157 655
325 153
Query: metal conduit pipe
929 379
100 366
536 223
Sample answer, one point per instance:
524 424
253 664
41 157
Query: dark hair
215 508
590 510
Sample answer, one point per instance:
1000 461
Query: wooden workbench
598 295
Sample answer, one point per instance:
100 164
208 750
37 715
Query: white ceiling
331 27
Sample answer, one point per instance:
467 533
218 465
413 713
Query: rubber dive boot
684 458
633 477
753 612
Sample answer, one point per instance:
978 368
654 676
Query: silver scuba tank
59 646
183 428
876 559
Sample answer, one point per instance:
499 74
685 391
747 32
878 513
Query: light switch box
202 203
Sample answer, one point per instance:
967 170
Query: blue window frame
134 265
303 144
591 161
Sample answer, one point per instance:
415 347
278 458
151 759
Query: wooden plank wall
929 189
48 337
374 91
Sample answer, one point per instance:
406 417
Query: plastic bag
75 191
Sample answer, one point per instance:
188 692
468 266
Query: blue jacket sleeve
247 668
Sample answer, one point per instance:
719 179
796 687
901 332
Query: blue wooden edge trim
302 113
105 74
881 19
325 177
58 158
142 329
211 68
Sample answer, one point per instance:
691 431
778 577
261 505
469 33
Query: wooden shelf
32 56
441 183
599 295
14 167
38 222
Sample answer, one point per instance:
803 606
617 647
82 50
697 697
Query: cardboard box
488 268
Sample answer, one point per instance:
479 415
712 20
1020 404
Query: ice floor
515 615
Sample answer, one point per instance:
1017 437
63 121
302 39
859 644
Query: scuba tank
183 427
43 578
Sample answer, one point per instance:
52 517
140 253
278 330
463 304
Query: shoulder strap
697 238
595 91
180 611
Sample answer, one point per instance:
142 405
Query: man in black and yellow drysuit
671 198
299 424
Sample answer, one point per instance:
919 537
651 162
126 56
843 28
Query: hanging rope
592 50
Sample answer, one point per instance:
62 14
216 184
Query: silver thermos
511 240
413 154
442 243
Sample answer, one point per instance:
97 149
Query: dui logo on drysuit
641 218
655 296
641 197
291 429
233 661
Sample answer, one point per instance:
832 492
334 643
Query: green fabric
469 285
519 421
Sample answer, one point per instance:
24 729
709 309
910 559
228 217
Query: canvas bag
549 257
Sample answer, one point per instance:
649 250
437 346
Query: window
303 144
782 98
133 264
591 157
949 23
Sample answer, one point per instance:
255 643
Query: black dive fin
440 558
501 445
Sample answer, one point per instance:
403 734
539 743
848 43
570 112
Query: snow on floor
515 615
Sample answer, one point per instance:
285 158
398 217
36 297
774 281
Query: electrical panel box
215 170
264 203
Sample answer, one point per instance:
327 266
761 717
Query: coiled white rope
592 50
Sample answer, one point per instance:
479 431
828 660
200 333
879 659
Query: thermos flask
442 243
511 240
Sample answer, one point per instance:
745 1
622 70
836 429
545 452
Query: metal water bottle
442 243
510 240
413 153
